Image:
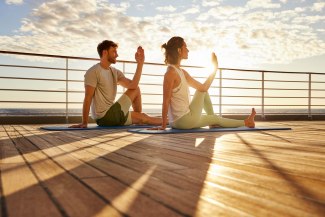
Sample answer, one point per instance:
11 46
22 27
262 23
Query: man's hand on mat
157 128
78 126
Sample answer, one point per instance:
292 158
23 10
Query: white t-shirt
105 83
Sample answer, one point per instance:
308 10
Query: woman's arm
168 85
206 85
169 80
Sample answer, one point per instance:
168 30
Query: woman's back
180 99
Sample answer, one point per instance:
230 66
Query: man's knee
133 93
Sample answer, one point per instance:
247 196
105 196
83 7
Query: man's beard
111 60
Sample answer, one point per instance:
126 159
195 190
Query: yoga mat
91 127
201 130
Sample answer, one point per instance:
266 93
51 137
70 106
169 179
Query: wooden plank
111 188
128 177
211 174
129 200
22 192
67 161
162 192
164 155
69 193
283 208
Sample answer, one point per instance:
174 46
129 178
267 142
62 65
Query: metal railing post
309 96
220 93
263 95
124 74
66 91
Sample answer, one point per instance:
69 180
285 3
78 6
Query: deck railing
303 92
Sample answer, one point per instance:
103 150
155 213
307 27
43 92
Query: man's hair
105 45
171 49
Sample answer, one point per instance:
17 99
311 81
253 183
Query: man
101 82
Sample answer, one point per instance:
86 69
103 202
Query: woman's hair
105 45
171 49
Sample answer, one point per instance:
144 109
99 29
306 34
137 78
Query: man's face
112 54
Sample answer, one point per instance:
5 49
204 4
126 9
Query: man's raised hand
139 55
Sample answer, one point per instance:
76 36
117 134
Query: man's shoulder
94 68
115 69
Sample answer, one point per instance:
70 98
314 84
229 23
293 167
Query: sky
286 35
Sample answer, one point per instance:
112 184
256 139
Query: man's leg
137 117
135 97
142 118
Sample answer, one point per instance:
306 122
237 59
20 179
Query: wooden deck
116 173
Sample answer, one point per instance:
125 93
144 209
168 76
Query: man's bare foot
249 122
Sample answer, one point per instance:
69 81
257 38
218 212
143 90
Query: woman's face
183 53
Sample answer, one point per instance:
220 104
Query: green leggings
195 119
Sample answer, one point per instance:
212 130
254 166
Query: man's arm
89 93
133 84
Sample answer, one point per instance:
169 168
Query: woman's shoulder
171 70
172 73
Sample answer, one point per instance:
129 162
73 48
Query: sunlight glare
198 142
213 170
126 199
13 182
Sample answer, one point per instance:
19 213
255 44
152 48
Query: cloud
253 4
73 27
318 6
210 3
140 7
168 8
192 10
14 2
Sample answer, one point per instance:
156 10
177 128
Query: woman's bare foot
249 122
214 126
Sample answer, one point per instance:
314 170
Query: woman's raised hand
214 61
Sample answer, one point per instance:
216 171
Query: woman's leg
190 119
210 120
207 120
207 104
195 119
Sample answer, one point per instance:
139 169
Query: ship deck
117 173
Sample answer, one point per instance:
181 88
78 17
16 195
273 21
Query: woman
183 113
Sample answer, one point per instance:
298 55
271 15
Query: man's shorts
118 114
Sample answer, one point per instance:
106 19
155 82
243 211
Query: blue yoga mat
91 127
200 130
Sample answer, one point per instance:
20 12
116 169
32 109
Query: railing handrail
81 58
149 63
220 87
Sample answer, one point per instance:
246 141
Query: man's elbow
132 86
